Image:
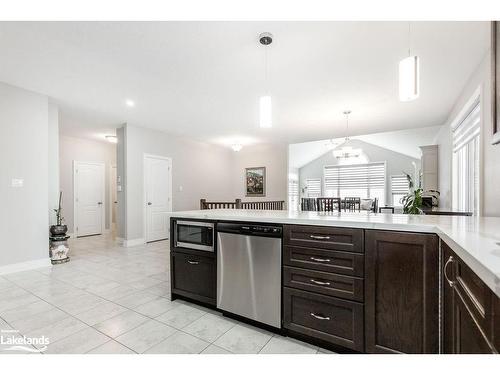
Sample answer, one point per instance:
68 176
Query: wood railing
238 204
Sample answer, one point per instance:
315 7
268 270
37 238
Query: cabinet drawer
324 260
324 283
194 276
341 239
326 318
475 294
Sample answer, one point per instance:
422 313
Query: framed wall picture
495 76
255 182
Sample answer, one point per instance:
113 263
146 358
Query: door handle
193 262
149 203
319 237
323 260
450 260
99 203
320 316
319 282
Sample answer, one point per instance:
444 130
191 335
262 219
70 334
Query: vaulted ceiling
203 79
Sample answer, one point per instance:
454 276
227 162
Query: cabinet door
194 276
463 326
401 292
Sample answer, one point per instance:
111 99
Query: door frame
144 200
76 163
111 202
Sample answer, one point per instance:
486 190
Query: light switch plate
17 182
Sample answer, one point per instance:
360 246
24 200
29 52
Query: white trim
75 216
111 202
144 198
134 242
25 266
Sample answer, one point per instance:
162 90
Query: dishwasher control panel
251 229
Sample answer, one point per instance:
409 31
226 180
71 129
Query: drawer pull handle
450 260
193 262
323 260
320 282
320 317
319 237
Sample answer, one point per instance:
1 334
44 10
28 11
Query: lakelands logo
11 341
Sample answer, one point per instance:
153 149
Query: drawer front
326 318
324 260
324 283
194 276
341 239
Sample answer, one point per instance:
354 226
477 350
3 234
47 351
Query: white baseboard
134 242
71 235
25 266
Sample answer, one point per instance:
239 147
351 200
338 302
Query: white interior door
89 193
158 195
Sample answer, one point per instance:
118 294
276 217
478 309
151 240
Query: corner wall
24 144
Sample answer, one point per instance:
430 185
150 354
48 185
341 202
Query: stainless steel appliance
249 271
196 235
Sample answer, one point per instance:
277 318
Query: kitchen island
379 278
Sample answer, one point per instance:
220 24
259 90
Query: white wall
272 156
200 169
80 149
53 160
490 190
24 155
396 164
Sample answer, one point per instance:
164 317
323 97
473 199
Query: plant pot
58 230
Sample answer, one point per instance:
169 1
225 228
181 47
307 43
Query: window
313 187
360 180
466 146
293 195
399 188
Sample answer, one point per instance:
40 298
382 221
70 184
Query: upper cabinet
429 165
401 292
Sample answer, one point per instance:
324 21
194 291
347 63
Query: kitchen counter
474 239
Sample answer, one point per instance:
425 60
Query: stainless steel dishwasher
249 271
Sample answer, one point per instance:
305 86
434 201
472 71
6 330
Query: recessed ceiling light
130 103
111 138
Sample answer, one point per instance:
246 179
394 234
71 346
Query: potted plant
412 202
59 229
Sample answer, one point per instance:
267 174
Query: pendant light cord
409 38
266 68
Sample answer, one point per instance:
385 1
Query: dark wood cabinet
194 276
333 320
469 314
401 292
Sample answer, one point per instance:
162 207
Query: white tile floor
114 300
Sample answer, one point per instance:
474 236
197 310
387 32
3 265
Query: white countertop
474 239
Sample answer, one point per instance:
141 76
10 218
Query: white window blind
293 195
360 180
466 146
399 188
313 187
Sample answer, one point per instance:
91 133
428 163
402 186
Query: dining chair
308 204
328 204
386 210
352 203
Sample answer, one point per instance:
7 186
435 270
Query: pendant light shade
409 79
266 112
265 104
347 151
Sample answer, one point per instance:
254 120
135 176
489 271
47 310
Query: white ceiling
405 142
203 79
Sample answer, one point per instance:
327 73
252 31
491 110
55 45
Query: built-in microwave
195 235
